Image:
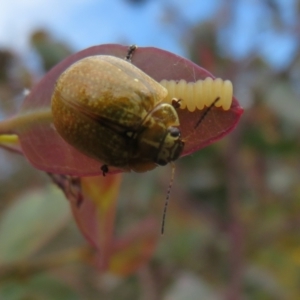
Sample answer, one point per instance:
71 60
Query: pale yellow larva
197 95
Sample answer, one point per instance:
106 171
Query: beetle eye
174 132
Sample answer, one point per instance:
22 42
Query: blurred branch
30 267
148 284
10 142
235 231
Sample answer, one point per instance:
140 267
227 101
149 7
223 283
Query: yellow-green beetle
112 111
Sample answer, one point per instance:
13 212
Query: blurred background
233 222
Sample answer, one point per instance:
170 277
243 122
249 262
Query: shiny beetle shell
112 111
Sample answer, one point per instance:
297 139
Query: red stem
235 231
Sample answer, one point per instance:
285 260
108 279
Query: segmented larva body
197 95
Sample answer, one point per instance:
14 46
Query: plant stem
24 120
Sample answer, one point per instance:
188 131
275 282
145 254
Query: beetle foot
176 103
104 169
130 52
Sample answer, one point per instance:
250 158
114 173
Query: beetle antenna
167 199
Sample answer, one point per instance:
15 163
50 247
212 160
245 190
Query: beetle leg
130 52
104 169
176 103
206 112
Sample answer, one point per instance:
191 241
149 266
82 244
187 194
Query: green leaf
41 287
30 222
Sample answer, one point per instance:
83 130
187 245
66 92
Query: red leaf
93 202
46 150
95 214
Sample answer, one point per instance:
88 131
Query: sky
84 23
